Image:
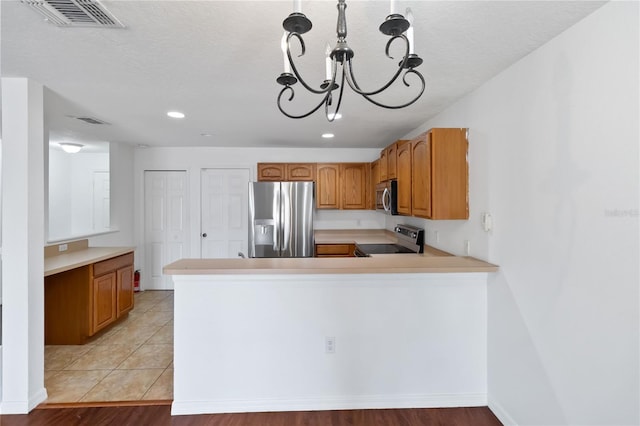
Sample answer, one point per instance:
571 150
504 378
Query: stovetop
384 248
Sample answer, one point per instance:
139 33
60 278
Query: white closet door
165 224
225 210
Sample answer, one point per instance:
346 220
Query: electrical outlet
437 235
467 247
330 345
63 247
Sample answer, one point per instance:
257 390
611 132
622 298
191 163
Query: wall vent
75 13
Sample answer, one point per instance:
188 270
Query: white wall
554 158
257 342
193 160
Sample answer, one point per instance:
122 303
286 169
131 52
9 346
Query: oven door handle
386 200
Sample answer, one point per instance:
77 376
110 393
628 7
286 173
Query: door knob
204 235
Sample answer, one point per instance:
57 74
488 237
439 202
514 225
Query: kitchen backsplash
348 219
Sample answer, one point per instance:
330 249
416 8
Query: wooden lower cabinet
83 301
335 250
104 301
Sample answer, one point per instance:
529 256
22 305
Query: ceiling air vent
75 13
89 120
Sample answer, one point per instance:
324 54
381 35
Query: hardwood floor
160 415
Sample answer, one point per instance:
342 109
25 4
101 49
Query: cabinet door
421 176
392 161
328 186
354 185
271 172
335 250
104 301
302 172
374 179
383 165
404 177
124 282
449 174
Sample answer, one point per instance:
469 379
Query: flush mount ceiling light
339 59
175 114
70 148
328 135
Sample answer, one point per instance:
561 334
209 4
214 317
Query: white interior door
165 224
225 209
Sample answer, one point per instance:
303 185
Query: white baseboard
501 413
335 403
23 407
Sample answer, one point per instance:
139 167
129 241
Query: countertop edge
77 259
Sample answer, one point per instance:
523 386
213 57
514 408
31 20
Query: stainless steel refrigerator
281 219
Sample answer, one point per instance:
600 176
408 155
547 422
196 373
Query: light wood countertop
78 258
388 263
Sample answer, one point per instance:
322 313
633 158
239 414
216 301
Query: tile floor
132 361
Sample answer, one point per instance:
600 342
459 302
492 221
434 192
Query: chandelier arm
424 85
324 100
295 70
351 79
326 105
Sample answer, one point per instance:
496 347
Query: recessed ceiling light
175 114
328 135
206 135
338 116
143 146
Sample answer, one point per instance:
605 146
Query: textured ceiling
217 61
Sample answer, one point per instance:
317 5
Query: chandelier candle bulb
327 63
392 7
297 6
283 46
410 31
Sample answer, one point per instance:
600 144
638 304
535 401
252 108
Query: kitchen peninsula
329 333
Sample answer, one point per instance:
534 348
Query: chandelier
338 60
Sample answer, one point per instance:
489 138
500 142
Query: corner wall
555 140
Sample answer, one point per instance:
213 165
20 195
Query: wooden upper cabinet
383 165
276 172
440 175
392 161
404 177
328 186
374 179
354 185
271 172
302 172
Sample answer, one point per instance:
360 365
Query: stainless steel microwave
387 197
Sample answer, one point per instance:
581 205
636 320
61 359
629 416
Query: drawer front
112 264
334 249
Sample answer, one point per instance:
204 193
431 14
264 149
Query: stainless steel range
410 240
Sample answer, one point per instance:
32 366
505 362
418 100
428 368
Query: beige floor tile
155 295
144 305
163 335
152 318
70 386
57 357
164 305
162 388
132 336
103 357
149 356
124 385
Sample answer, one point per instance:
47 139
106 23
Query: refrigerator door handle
286 217
277 208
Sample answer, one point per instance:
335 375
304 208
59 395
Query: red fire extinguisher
136 280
